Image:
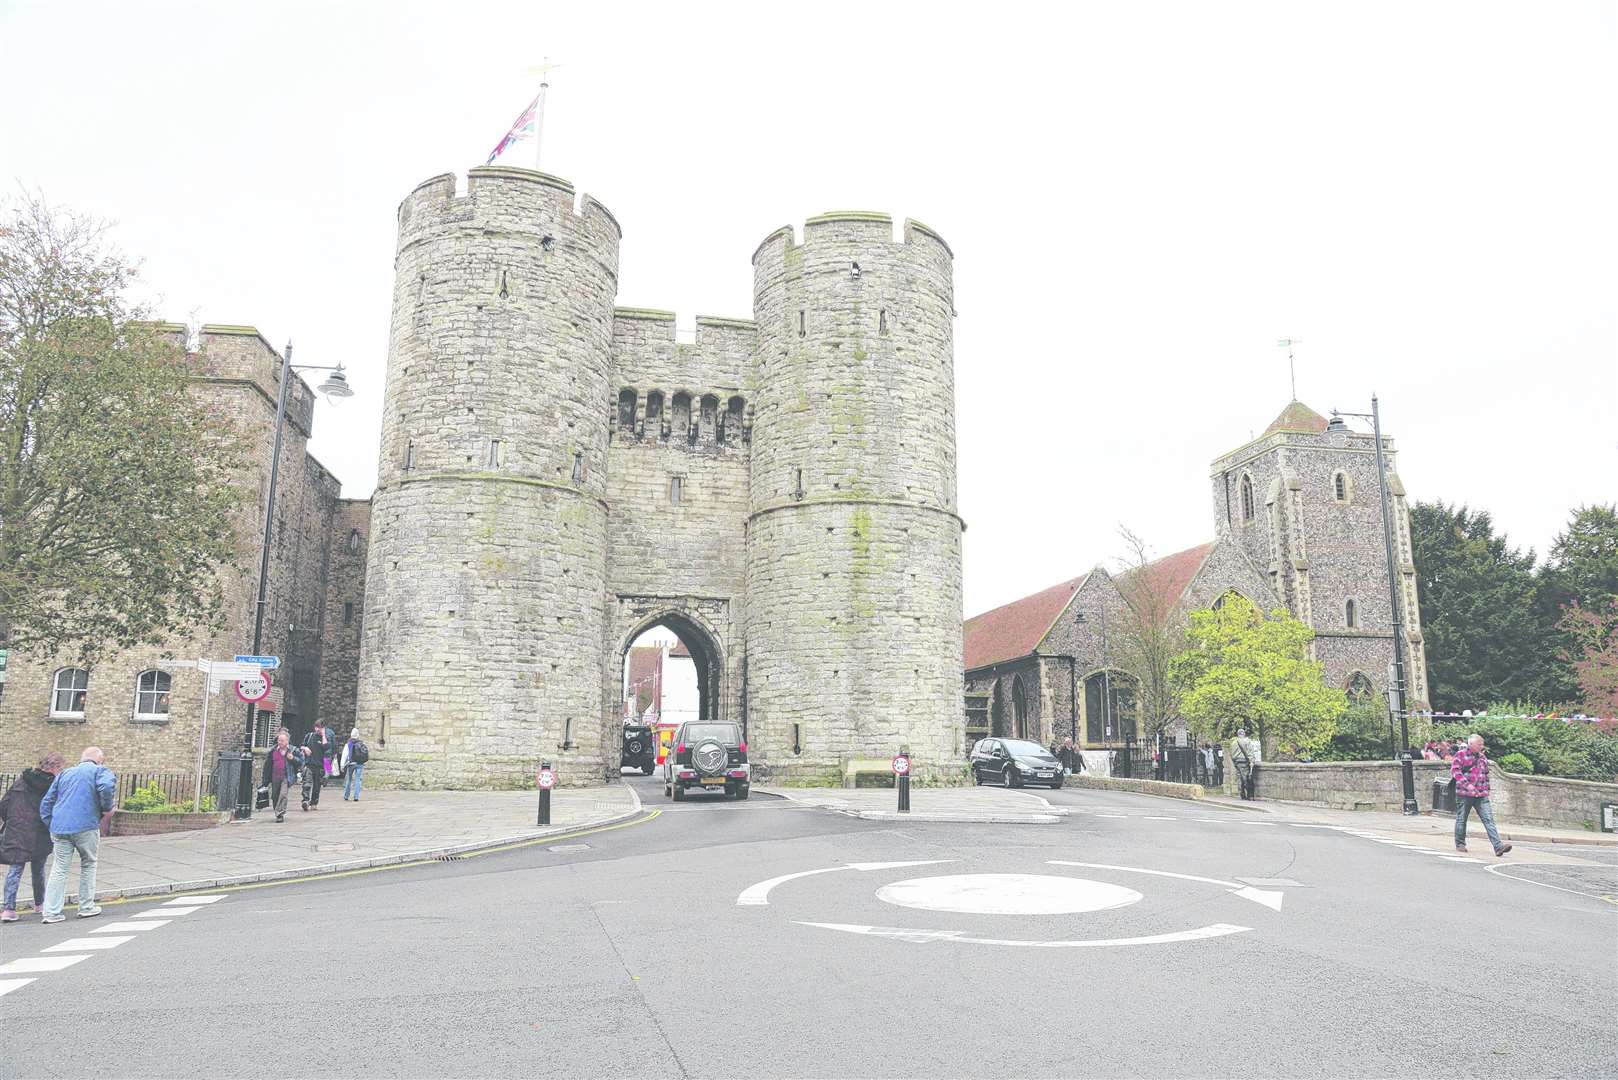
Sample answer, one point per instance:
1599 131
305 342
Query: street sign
901 765
268 663
547 779
253 688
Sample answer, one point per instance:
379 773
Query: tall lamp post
335 388
1396 704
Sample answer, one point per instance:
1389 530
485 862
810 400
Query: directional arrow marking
922 936
1271 900
759 895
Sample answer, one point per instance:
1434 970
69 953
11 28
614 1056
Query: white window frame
57 689
161 688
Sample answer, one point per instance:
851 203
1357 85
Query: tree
1150 636
1248 669
1580 571
114 497
1486 636
1592 653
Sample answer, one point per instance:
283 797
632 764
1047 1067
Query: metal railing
178 787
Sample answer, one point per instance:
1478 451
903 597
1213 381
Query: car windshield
1018 748
698 732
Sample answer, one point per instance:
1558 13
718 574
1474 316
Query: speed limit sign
254 688
901 765
547 779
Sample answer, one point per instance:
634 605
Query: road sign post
547 780
901 772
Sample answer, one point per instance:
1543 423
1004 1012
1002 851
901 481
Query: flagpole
539 114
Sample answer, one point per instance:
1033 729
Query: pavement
382 828
1439 827
966 805
770 938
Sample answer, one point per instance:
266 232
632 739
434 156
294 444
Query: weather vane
1287 343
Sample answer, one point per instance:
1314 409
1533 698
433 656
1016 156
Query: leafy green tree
1487 637
1362 734
1248 669
114 507
1582 565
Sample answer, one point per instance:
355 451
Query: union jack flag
522 129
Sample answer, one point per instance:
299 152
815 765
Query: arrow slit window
152 695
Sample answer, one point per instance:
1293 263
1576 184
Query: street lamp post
335 387
1396 703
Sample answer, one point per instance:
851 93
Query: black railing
177 787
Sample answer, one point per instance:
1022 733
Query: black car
1015 762
707 756
639 750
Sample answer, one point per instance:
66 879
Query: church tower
1303 502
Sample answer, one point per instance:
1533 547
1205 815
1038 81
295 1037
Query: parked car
639 748
707 756
1015 762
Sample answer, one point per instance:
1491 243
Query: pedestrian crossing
16 974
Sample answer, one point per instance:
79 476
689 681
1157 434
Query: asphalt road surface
1138 937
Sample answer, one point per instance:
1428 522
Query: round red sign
901 765
254 688
547 779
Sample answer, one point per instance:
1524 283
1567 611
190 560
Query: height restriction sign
254 688
901 765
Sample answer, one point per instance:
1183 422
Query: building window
626 409
348 614
1247 498
152 695
410 455
68 692
578 468
1340 487
353 541
1109 707
797 483
676 489
1351 615
1359 688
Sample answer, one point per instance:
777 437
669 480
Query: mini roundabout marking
1016 894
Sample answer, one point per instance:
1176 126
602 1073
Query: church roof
1170 576
1298 417
1017 628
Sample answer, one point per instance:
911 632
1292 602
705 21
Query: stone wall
344 612
237 372
1376 785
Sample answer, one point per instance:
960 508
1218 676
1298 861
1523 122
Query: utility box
228 775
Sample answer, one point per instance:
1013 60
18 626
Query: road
625 952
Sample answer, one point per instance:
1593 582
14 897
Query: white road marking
40 963
1113 815
210 898
1459 858
163 912
1271 900
1007 894
1260 823
922 936
1498 871
758 895
1153 817
1307 825
79 944
1221 821
126 927
8 985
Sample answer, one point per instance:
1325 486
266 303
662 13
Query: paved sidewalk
1437 829
963 804
383 828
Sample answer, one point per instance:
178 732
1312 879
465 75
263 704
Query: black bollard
547 779
901 768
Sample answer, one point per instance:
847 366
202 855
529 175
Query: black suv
707 756
1015 762
639 750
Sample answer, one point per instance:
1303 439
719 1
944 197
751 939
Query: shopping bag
263 798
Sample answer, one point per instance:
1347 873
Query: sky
1142 199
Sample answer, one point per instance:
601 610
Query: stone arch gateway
780 490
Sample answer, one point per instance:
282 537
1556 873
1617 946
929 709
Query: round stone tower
853 547
484 614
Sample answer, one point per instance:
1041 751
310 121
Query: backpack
360 753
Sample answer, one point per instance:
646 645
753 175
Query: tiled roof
1298 417
1015 629
680 650
1171 575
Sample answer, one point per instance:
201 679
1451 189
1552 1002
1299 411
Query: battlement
507 199
843 227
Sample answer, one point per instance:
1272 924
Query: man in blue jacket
72 810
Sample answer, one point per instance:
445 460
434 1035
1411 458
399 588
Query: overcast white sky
1142 198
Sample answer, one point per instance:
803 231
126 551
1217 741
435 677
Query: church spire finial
1292 370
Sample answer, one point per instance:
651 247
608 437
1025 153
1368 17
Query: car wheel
1012 779
679 794
647 769
742 792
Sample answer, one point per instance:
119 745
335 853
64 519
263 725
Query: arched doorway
672 665
1019 707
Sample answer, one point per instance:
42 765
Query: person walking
331 756
280 769
317 747
1244 753
1068 755
72 810
1470 767
1206 754
355 755
26 840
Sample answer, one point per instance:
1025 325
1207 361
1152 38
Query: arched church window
1351 615
1247 498
1340 486
1359 688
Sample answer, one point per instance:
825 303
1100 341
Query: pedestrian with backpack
355 755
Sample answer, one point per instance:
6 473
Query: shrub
1516 763
151 799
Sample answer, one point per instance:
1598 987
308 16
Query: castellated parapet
559 475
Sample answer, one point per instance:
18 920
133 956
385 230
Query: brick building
143 708
1298 522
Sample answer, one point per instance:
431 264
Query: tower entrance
670 672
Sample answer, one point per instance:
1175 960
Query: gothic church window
1351 615
68 691
1340 487
152 694
1247 498
1359 688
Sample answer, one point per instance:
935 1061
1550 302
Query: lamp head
336 386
